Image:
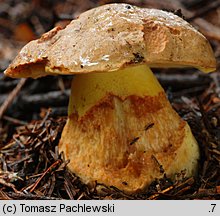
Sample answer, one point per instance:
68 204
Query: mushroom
121 129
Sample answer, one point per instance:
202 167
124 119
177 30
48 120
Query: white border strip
110 207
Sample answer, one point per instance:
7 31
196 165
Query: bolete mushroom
121 128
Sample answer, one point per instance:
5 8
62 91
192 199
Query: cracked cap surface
111 37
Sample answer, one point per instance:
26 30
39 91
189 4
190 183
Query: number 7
213 207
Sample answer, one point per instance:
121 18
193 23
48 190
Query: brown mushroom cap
111 37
